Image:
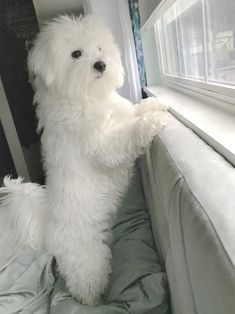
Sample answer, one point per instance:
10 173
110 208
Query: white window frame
211 90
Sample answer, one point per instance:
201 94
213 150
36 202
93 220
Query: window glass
221 40
197 40
171 44
190 34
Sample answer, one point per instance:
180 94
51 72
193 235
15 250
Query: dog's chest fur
70 136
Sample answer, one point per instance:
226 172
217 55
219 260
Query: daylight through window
197 40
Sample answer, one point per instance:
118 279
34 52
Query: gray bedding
29 282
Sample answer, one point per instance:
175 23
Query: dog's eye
76 54
99 48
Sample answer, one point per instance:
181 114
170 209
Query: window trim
219 91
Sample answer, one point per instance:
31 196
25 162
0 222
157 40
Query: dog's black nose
100 66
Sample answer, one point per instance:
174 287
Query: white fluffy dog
91 137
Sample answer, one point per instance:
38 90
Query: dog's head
76 56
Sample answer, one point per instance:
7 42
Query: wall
47 9
150 57
146 7
17 114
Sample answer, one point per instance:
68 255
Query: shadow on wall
18 26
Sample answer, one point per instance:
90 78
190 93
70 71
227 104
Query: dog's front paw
152 103
153 117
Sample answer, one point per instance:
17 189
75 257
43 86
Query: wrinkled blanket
29 282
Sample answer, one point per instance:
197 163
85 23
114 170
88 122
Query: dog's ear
40 61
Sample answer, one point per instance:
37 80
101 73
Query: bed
30 283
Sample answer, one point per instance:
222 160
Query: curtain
131 64
136 25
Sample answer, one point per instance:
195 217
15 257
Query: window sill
215 124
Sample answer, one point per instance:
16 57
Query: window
196 41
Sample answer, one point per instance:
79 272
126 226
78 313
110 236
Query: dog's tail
22 212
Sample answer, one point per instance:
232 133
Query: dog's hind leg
22 212
87 271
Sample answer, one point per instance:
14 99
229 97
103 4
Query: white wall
47 9
146 7
150 57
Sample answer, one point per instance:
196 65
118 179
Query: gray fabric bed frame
190 190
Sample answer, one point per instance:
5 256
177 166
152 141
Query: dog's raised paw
152 119
152 103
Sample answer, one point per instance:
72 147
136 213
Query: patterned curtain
136 25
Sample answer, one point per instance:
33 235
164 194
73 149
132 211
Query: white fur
90 140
